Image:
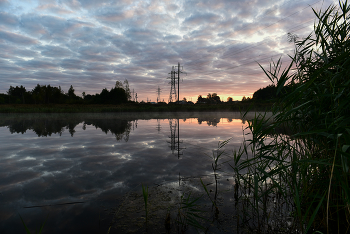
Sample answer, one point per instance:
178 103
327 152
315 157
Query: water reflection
211 121
74 167
45 127
175 137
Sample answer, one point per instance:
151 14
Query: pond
83 173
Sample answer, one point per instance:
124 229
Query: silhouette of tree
17 94
201 99
71 93
127 89
38 94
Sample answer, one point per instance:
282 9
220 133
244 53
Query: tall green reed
310 165
39 231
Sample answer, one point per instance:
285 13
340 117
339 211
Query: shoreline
83 108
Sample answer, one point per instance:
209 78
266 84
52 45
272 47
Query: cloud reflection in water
96 160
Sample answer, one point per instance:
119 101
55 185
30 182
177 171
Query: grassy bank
76 108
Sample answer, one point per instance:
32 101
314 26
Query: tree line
47 94
266 94
120 93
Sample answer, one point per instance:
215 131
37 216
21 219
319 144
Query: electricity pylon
173 85
158 94
173 82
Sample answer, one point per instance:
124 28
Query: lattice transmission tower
158 94
172 96
173 82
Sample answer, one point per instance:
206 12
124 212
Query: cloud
9 20
72 64
17 38
200 18
98 53
54 51
4 3
72 4
172 7
142 36
112 16
56 9
36 64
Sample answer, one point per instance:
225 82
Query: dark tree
38 94
71 93
201 99
213 98
17 94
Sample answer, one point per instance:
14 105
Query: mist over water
73 167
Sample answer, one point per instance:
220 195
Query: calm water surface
78 169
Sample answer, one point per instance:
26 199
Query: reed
27 229
189 214
310 165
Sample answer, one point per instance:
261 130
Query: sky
91 44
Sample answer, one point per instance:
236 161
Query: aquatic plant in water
27 229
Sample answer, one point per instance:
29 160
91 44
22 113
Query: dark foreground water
84 172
